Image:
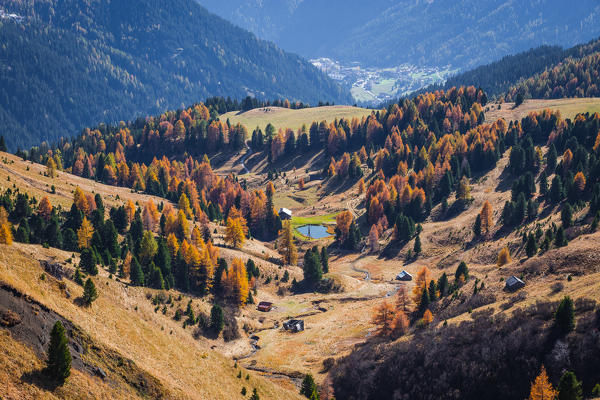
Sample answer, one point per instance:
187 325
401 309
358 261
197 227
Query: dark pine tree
564 317
89 292
59 356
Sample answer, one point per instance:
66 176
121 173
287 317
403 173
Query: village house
265 306
285 213
404 276
294 325
513 283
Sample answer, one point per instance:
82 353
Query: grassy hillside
116 61
415 184
568 108
293 119
123 319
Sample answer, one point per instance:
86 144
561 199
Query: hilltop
285 118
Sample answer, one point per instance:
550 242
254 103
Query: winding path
245 157
362 271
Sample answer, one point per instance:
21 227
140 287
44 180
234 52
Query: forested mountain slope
576 76
72 64
463 33
498 77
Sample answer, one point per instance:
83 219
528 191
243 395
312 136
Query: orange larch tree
421 282
383 318
486 215
45 208
541 388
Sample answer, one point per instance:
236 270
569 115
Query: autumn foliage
84 234
383 318
541 388
504 257
486 215
5 228
235 281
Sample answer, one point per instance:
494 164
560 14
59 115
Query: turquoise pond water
314 231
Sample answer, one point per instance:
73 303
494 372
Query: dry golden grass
568 108
293 119
123 319
19 377
30 177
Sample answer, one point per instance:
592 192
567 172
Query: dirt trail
245 157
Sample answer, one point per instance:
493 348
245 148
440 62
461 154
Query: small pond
314 231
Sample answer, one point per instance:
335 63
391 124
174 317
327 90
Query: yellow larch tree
383 318
51 167
234 234
184 205
150 215
45 208
421 282
5 228
287 247
81 201
427 317
84 234
235 281
173 244
504 257
130 211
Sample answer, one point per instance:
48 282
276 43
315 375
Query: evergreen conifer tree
324 260
77 277
217 319
87 262
308 386
89 292
417 246
136 274
59 356
312 267
564 317
477 226
569 387
531 246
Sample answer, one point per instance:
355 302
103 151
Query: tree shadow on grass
40 378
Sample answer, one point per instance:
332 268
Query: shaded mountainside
463 33
488 357
72 64
285 22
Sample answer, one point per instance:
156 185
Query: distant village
372 86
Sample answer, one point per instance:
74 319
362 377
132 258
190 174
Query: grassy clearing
568 108
316 220
293 119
